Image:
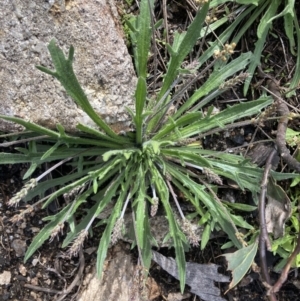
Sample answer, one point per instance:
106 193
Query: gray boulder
102 63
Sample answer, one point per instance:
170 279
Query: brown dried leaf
276 215
278 209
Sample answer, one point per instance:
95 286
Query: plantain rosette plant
142 169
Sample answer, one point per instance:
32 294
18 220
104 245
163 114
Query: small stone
297 283
23 225
177 296
39 275
19 247
33 295
35 229
34 281
5 278
22 270
35 261
48 282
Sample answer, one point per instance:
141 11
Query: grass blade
215 80
31 126
179 53
143 37
296 78
45 233
65 74
173 227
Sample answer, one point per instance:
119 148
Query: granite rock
102 63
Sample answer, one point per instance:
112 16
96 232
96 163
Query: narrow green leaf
106 236
177 41
288 10
51 150
296 78
266 20
81 226
227 245
170 49
262 32
31 126
186 119
213 26
30 170
127 153
61 130
24 151
224 117
186 156
239 206
97 142
215 80
45 233
140 100
65 74
105 172
66 188
182 50
240 222
226 34
175 232
140 212
159 23
9 158
289 31
279 176
215 207
95 185
247 2
147 250
143 236
115 142
295 182
250 17
205 236
143 36
101 202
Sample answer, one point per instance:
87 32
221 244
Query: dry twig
263 237
77 278
283 112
